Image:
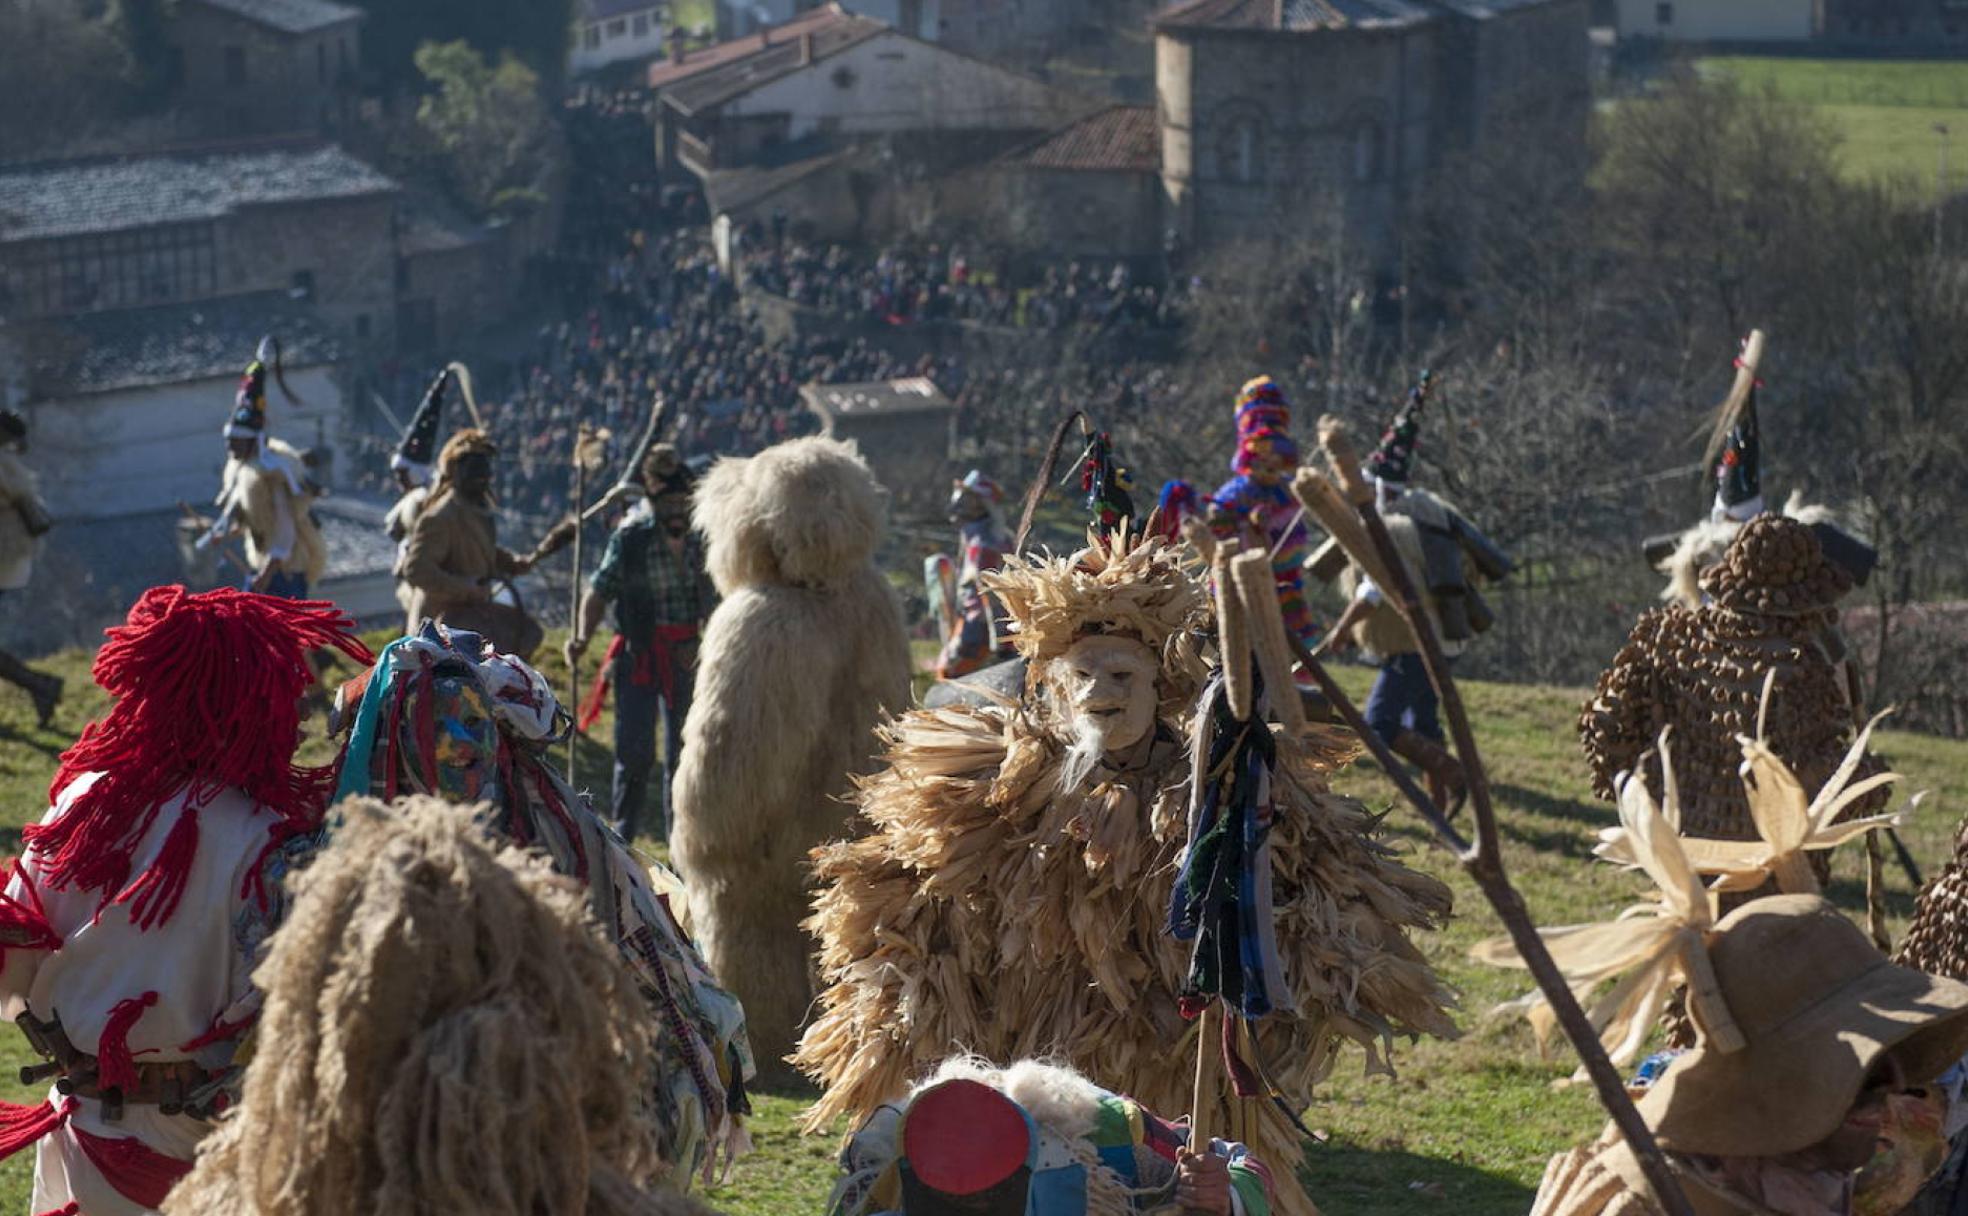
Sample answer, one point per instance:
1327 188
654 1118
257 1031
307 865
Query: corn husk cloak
988 910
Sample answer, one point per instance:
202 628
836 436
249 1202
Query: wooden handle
1202 1102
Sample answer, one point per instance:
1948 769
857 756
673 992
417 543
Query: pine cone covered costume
989 910
1701 671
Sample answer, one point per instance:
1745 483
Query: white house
1719 20
834 74
918 18
611 31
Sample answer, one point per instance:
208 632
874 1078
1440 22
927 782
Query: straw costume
1038 844
973 623
802 657
267 490
653 572
453 561
23 522
421 951
1702 672
1031 1139
1828 1045
132 921
443 714
1260 495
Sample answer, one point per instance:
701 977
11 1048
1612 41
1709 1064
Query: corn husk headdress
1649 947
1790 824
1651 944
1125 585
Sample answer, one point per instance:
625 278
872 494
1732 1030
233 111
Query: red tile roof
666 72
1122 138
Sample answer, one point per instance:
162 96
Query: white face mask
1108 685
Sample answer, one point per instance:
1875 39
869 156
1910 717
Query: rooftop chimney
676 44
806 48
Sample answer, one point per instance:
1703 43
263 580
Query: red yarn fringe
71 1208
208 691
115 1067
220 1031
139 1172
155 894
21 1126
24 926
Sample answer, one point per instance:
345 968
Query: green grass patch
1465 1127
1884 111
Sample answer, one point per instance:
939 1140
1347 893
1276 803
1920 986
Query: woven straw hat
1819 1007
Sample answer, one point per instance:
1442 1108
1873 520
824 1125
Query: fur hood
807 512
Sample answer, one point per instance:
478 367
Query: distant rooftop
1121 138
718 73
109 194
101 352
288 16
1293 15
886 398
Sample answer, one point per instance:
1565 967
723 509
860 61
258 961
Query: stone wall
348 246
293 82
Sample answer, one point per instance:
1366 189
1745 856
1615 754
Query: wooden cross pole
1482 860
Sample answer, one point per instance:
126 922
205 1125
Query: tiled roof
288 16
108 194
1297 15
718 73
1122 138
99 352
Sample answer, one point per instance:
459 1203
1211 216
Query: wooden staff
1483 861
1202 1098
582 442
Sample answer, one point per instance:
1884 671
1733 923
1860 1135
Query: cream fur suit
803 655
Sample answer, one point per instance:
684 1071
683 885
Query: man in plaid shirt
653 572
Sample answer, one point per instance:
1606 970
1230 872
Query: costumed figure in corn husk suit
443 713
457 571
1036 1139
447 1032
414 464
267 492
1038 844
1447 558
972 623
24 521
803 656
134 918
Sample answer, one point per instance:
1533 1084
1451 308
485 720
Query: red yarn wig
208 690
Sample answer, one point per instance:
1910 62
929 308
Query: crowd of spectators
899 287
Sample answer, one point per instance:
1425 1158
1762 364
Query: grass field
1884 110
1467 1125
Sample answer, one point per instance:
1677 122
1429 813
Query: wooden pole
574 596
1202 1126
1483 860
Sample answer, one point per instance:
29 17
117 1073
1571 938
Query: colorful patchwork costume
1260 493
441 713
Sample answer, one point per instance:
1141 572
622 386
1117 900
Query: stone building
1269 109
1090 190
259 67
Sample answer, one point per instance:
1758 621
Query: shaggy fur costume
991 909
444 1031
803 655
